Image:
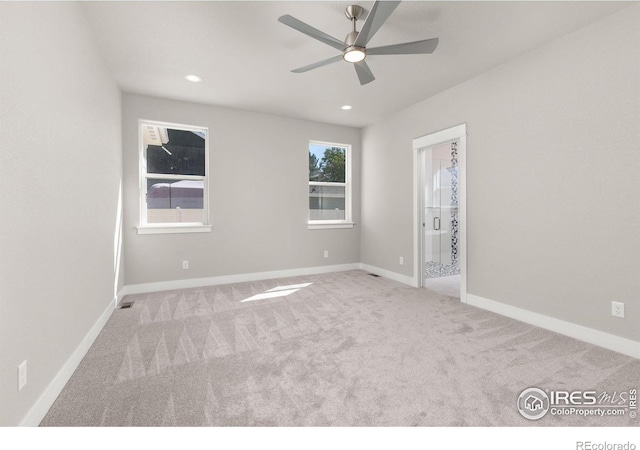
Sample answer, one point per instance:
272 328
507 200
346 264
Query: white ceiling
245 56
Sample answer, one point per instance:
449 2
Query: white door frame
457 133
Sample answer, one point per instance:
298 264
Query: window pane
326 203
181 154
175 201
326 164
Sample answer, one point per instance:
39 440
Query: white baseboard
45 401
118 297
388 274
589 335
239 278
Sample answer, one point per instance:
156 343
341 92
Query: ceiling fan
354 48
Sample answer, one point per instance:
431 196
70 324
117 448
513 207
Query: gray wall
60 168
553 184
259 196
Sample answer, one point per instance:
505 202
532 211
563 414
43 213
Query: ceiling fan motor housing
351 38
353 53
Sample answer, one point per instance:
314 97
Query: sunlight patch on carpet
278 291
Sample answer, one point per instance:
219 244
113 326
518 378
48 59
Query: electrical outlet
22 375
401 261
185 264
617 309
326 253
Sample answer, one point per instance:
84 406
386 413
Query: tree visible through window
329 184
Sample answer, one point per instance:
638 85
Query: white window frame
332 224
183 227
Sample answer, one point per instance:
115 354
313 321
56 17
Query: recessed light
193 78
346 107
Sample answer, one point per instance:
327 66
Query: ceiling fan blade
407 48
311 32
380 12
364 73
315 65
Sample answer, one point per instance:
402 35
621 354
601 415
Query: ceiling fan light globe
354 54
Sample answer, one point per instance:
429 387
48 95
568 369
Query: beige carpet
347 350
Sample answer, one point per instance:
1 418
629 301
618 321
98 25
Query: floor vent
374 275
125 305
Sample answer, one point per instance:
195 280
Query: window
329 185
173 178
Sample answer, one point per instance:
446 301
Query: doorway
440 220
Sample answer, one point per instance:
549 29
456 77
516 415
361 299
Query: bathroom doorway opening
440 219
440 203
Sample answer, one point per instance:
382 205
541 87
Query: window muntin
329 185
173 177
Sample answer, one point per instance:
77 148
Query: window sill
329 225
173 229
